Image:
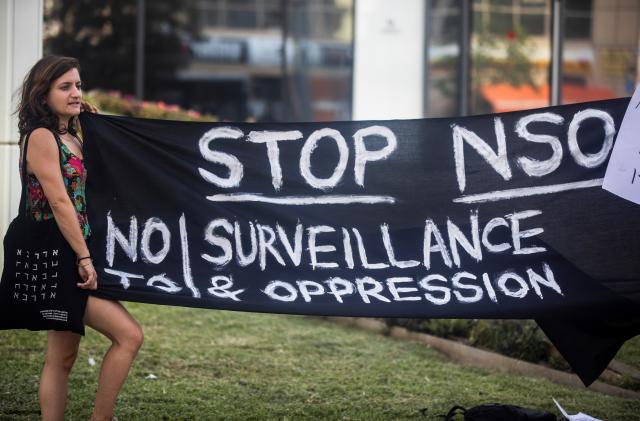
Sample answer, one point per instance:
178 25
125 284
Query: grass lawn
630 352
226 365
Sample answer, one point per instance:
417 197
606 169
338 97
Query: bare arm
44 161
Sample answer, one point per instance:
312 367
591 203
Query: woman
51 100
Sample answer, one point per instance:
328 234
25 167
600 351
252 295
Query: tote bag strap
23 173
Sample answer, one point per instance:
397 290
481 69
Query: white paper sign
623 172
577 417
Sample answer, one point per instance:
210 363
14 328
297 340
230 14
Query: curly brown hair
33 112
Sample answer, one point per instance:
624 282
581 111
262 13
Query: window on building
510 55
443 60
511 52
319 74
242 14
533 17
600 46
577 19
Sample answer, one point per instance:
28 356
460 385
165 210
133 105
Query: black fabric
38 289
591 342
494 216
499 412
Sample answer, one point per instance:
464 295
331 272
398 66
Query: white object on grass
577 417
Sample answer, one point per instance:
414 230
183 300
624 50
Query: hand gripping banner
494 216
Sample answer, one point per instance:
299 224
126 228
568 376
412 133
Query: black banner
495 216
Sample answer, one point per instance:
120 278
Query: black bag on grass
499 412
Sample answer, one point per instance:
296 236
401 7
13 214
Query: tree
102 35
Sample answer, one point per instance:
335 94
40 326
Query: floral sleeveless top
74 176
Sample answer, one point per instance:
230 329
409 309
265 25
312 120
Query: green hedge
520 339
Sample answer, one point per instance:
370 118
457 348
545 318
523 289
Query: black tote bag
38 289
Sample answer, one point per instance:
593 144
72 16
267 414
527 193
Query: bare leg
112 320
62 349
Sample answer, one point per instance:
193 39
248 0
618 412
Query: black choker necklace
64 130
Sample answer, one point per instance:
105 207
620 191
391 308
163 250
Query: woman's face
65 95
